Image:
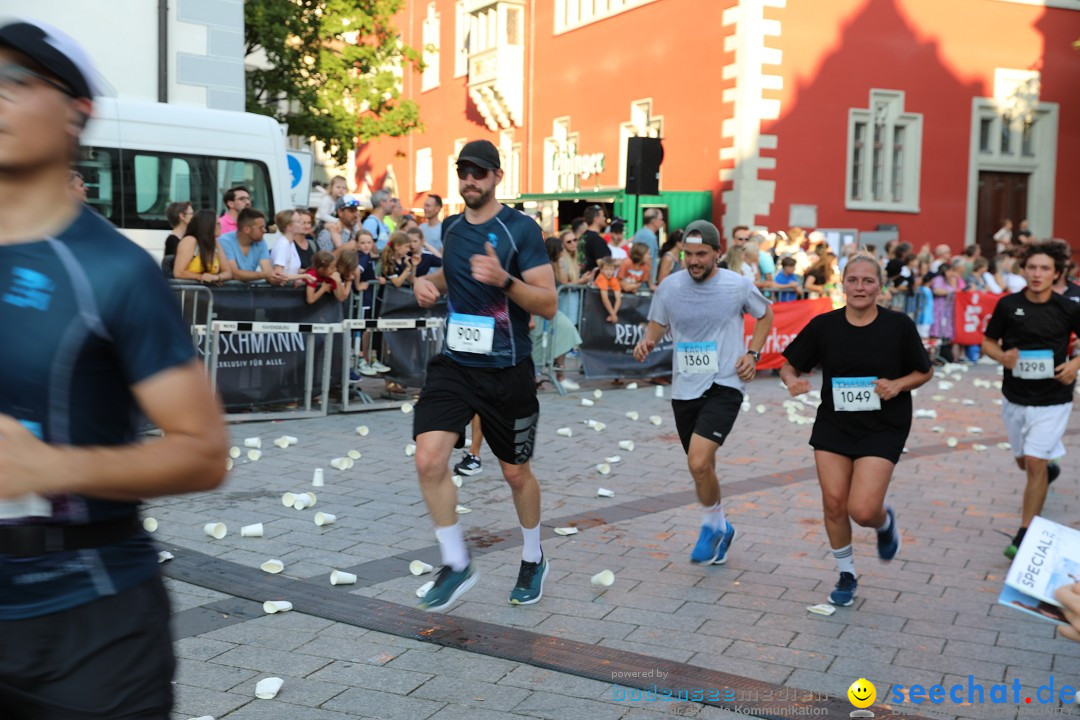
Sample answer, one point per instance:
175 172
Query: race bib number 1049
855 394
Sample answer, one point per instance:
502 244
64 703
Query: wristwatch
754 354
508 282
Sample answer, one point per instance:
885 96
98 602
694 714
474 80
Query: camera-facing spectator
787 286
198 256
425 261
178 215
292 252
339 234
328 205
236 199
606 281
635 272
397 267
246 251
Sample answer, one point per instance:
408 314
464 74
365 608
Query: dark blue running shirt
84 316
519 244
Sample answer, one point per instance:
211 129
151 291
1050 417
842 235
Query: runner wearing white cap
711 366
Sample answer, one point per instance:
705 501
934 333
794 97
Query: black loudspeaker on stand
643 158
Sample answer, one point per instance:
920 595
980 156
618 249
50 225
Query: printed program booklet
1048 558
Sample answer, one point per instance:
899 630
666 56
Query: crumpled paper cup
272 566
275 606
268 688
362 430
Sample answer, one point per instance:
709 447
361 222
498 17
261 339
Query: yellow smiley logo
862 693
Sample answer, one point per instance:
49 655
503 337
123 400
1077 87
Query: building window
430 77
1006 135
884 155
462 25
510 158
572 14
1027 141
423 170
453 195
986 131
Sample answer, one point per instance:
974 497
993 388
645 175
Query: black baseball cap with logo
702 231
481 153
53 51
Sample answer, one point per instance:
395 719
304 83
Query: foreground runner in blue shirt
89 334
495 274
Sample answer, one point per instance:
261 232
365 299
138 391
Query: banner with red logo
789 318
973 309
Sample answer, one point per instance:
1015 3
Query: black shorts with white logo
504 398
110 659
711 416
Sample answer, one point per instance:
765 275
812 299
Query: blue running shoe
844 592
888 542
449 586
708 545
725 545
530 583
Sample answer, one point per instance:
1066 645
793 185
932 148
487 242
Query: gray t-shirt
432 235
705 313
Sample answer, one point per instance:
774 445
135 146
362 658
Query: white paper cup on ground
275 606
340 577
281 443
312 498
268 688
760 409
301 502
632 386
951 442
566 531
633 414
354 454
229 463
462 510
254 455
362 430
215 530
272 566
234 452
339 463
656 420
603 469
317 479
203 717
613 459
410 449
599 426
604 578
424 589
604 492
586 402
255 530
406 408
150 524
322 519
456 479
164 556
659 391
419 567
598 393
627 445
290 439
564 432
253 442
288 499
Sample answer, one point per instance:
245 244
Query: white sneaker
379 367
365 368
569 384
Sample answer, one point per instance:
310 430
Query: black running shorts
110 659
504 398
712 415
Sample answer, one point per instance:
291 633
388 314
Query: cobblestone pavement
929 617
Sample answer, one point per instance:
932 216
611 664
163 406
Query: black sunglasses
464 171
13 75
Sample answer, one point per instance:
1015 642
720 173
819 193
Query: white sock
452 546
888 523
530 548
714 518
845 559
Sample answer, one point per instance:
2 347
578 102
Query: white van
137 157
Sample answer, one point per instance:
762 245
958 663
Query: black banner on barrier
607 349
408 352
268 368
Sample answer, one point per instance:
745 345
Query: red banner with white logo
789 318
972 312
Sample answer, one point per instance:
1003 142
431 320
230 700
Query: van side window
100 168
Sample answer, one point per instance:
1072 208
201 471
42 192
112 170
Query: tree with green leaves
332 69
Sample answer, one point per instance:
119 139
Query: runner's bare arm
746 366
190 457
992 349
653 333
790 376
888 389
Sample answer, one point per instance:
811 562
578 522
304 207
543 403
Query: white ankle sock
714 518
452 546
530 548
845 559
888 523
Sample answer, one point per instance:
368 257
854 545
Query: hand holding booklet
1048 558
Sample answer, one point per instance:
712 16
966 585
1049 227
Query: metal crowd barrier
312 329
570 303
379 325
197 308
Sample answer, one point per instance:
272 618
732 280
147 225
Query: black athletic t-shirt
889 348
593 248
1019 323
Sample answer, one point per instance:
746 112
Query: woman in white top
292 245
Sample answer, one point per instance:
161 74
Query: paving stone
385 706
475 693
211 676
272 661
466 666
374 677
199 648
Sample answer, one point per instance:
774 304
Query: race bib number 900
855 394
1034 365
470 333
696 358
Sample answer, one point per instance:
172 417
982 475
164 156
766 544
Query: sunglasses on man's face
464 171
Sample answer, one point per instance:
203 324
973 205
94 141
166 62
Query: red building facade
937 118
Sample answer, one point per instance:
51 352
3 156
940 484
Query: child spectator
636 269
787 286
397 265
327 212
348 270
428 261
605 282
366 280
321 278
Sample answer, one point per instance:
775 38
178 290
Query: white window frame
573 14
429 78
424 172
462 38
885 109
453 195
